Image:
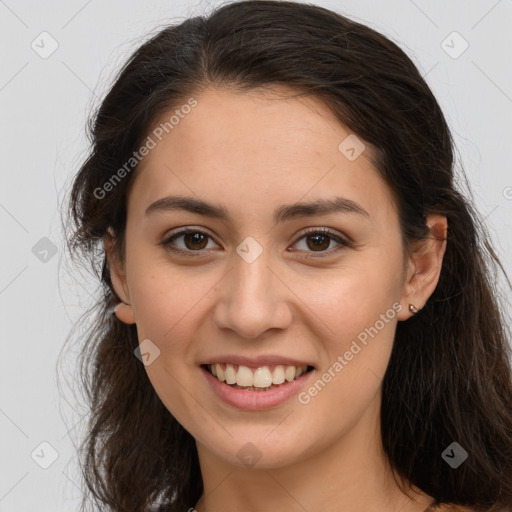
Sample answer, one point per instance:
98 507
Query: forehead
245 122
256 147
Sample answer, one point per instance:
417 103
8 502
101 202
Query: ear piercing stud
413 309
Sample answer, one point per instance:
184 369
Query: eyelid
343 241
168 238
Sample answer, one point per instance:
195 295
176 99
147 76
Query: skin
253 152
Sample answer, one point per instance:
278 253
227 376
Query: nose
252 299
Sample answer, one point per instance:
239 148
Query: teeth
278 375
230 374
261 377
290 372
244 377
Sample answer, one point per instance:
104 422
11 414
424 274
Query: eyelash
314 231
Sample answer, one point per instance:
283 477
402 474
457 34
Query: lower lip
255 400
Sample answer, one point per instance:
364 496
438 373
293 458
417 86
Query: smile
262 378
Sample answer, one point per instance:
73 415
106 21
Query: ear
123 310
424 266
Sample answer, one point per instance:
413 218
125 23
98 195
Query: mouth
262 378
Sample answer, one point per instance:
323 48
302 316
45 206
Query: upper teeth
262 377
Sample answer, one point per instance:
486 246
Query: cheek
169 305
163 297
167 315
357 312
356 297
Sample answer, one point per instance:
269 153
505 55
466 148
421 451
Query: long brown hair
449 376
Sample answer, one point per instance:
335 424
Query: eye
321 238
194 240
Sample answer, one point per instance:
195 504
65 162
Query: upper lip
256 362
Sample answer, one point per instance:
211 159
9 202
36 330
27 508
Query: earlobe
124 313
424 267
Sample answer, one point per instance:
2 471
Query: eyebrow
281 214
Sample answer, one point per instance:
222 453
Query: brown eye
193 242
319 240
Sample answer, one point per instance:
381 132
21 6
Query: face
266 285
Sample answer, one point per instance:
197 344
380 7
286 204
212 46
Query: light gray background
44 104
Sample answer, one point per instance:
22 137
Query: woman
305 316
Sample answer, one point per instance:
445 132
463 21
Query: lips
252 398
262 372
